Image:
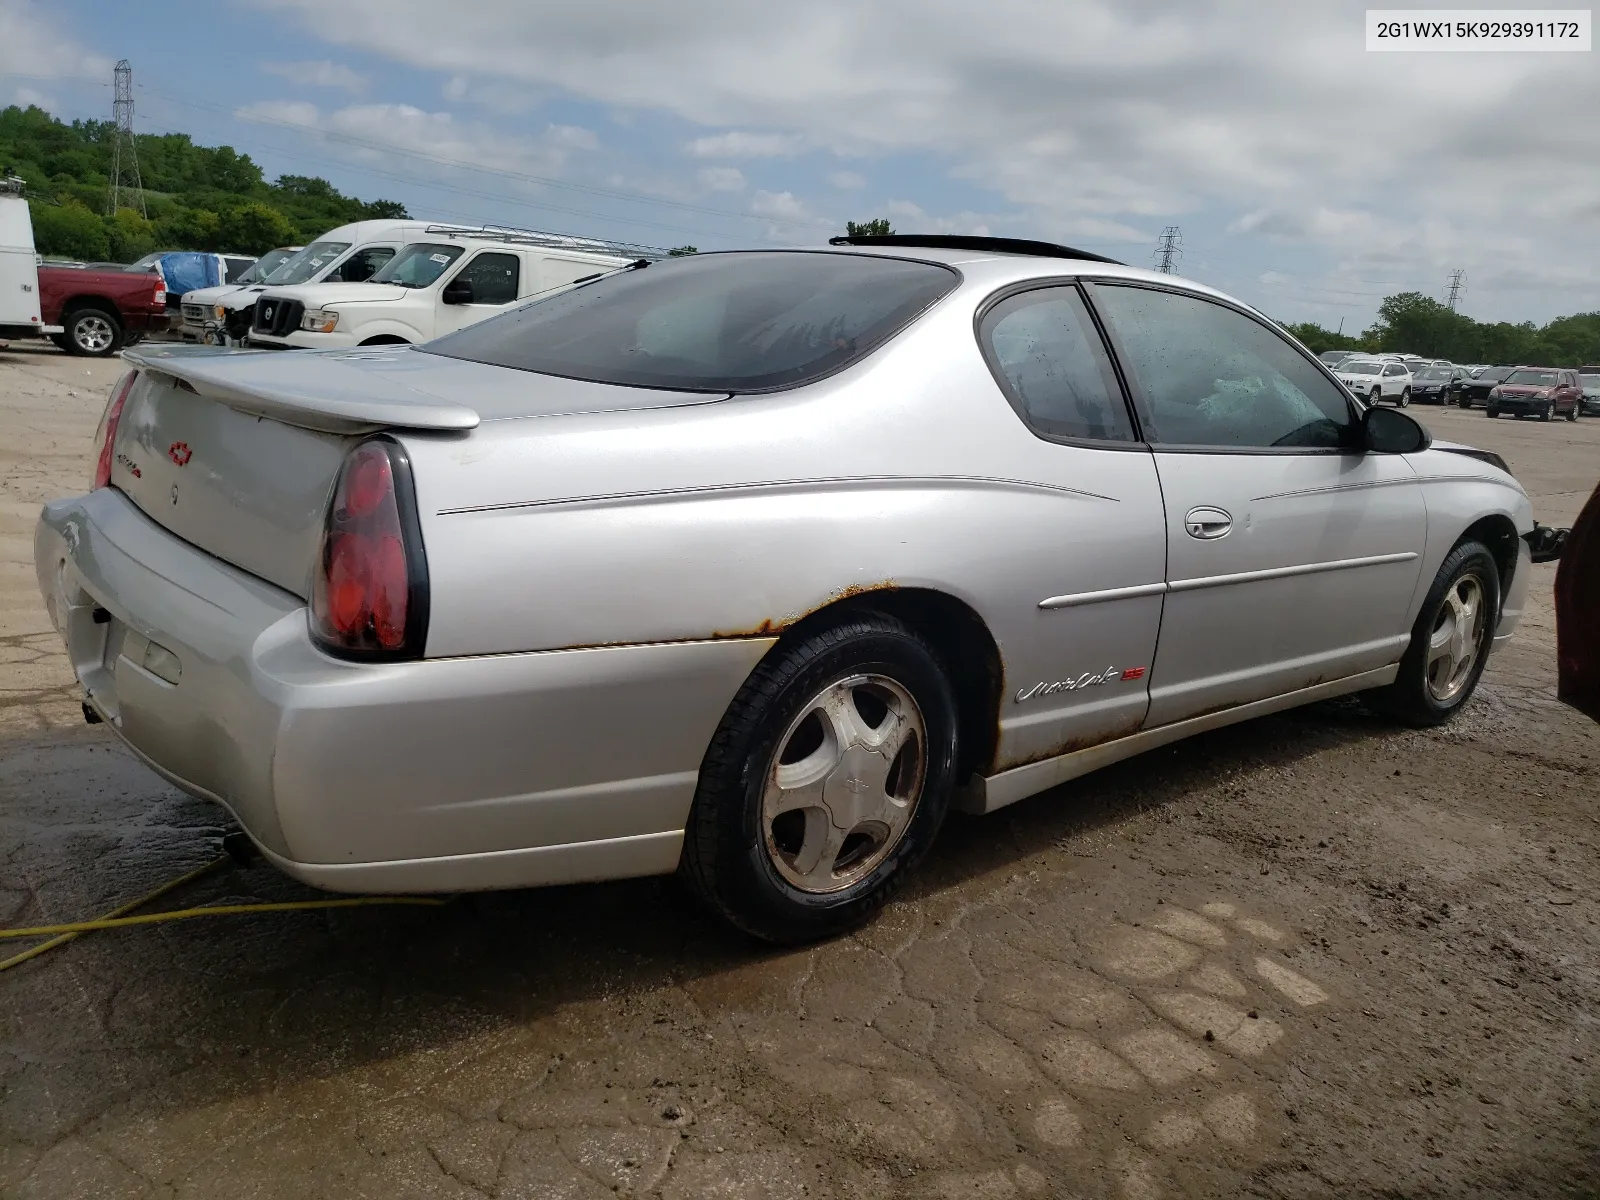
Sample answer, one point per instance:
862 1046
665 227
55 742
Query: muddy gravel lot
1312 955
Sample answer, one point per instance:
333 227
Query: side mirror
458 291
1390 431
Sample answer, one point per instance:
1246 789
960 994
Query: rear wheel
1449 643
825 783
92 332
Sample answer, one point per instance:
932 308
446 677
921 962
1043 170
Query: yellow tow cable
116 919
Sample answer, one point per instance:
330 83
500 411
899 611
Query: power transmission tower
124 156
1169 249
1458 281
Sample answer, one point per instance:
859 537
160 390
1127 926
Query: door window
493 277
1208 375
1048 359
362 265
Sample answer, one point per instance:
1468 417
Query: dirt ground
1312 955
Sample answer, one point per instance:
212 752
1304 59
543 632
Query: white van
349 254
448 278
19 273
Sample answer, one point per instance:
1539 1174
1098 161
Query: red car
96 310
1543 392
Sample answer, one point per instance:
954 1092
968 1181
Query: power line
1458 282
124 154
1169 249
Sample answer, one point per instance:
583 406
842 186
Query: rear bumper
439 775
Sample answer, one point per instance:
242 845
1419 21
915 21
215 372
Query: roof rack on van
552 241
963 241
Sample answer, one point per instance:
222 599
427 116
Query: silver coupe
750 565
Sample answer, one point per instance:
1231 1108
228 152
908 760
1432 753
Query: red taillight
159 297
370 594
106 435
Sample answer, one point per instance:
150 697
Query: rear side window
736 322
493 277
1047 357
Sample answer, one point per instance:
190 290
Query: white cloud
745 145
847 180
367 132
33 46
320 73
721 179
1088 111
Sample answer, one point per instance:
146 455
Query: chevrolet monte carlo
750 565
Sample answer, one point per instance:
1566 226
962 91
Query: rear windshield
735 322
1359 367
1495 374
1539 378
300 266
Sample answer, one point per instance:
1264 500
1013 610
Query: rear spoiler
300 387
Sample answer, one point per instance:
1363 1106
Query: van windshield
307 264
417 265
745 321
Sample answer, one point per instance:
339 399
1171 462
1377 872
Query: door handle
1207 524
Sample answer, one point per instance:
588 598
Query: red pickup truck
97 311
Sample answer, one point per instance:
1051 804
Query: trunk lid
236 452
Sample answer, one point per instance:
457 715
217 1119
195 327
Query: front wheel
1544 413
1491 412
1573 415
1377 395
1405 397
826 781
1449 643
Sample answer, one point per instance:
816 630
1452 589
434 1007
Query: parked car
1542 392
1475 391
347 254
203 313
82 310
1432 385
750 565
1589 380
451 278
1375 379
1332 358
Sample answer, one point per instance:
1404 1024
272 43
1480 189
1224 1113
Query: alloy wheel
1457 638
93 334
843 787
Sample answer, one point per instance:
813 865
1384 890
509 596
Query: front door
493 276
1292 554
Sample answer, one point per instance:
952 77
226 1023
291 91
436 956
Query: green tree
190 229
132 236
254 227
70 231
385 210
877 227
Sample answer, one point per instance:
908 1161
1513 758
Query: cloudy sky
1307 175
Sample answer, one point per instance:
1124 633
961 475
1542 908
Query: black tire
92 333
1373 397
60 339
1544 413
1491 412
1409 699
132 339
1573 415
726 860
1405 397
